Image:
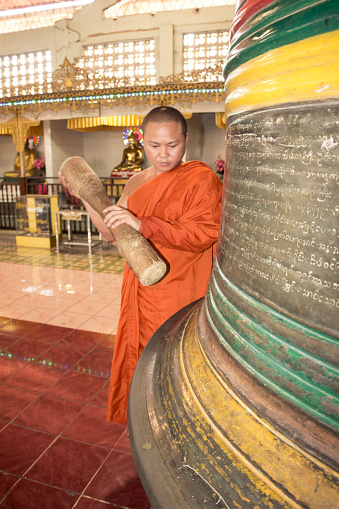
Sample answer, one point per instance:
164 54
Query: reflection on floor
58 315
69 289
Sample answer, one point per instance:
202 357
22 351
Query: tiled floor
58 316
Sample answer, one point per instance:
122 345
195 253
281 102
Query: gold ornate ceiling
73 91
14 16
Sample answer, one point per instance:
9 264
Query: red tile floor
56 450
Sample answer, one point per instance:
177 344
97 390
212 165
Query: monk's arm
196 228
95 217
114 216
182 235
98 222
118 214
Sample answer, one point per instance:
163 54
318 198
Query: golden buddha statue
29 164
132 157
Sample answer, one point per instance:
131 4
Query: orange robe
180 213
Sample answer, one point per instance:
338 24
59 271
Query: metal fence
11 192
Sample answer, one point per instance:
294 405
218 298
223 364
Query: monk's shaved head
165 114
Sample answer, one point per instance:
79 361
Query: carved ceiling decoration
69 77
210 74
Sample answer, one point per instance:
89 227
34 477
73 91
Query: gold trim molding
210 74
72 89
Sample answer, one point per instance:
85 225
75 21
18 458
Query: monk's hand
67 186
115 215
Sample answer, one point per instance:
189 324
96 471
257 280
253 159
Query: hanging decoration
103 123
137 131
36 140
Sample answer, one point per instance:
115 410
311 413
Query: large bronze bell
234 402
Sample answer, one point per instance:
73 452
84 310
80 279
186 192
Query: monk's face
164 145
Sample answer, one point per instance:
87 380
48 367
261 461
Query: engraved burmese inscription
281 210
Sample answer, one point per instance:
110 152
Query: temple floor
58 317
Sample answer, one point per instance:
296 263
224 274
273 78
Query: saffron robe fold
180 214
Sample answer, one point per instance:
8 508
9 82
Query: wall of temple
67 38
103 150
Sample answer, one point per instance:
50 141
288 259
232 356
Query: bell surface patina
234 401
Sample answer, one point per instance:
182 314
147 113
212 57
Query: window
25 73
132 62
202 50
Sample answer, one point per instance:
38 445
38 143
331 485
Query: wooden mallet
138 253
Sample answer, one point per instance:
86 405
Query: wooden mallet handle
138 253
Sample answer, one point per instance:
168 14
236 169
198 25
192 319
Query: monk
177 207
